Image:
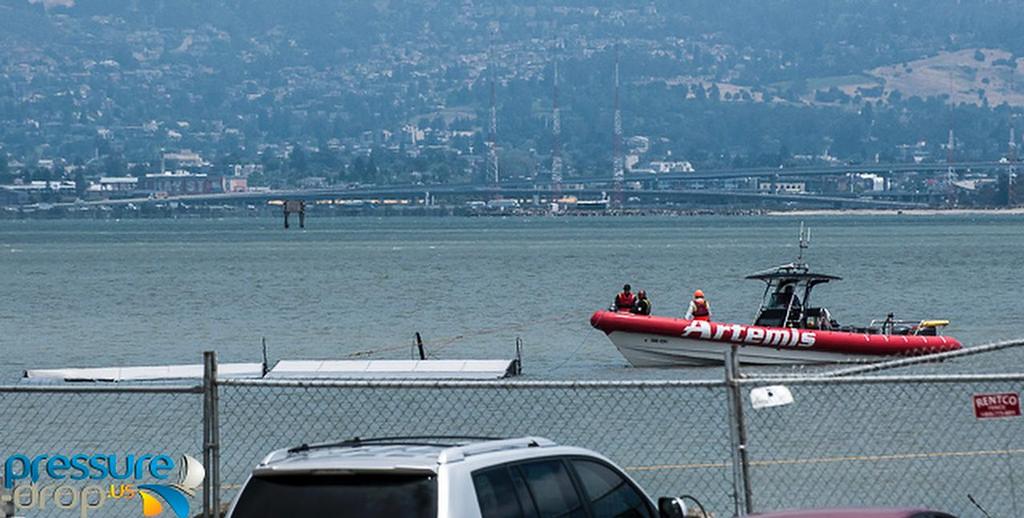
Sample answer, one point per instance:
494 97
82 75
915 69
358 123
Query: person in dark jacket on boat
699 308
789 301
624 300
642 306
787 298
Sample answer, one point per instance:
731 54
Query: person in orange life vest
643 304
699 308
624 301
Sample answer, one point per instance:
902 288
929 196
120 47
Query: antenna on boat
805 241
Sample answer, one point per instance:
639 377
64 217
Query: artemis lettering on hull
748 335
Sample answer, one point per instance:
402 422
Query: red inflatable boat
650 341
787 331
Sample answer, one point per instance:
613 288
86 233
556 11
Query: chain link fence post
211 437
739 426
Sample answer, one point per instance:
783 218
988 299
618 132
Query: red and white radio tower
492 126
556 133
618 172
951 143
1011 150
949 152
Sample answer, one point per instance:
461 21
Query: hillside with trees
398 90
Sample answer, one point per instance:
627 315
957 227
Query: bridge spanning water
669 188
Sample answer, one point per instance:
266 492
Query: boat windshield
787 295
784 295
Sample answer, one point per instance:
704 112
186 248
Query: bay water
82 293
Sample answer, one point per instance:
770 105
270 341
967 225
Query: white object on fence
767 397
393 369
152 373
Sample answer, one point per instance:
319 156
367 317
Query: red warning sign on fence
987 406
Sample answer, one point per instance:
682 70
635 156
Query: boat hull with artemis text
652 341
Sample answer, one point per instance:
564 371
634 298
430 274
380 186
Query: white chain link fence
668 435
91 421
887 441
909 440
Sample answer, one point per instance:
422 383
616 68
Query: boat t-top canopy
792 271
787 293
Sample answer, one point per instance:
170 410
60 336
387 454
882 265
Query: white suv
441 477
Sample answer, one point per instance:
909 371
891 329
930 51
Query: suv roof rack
457 453
412 440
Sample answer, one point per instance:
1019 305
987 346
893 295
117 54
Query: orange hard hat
699 294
